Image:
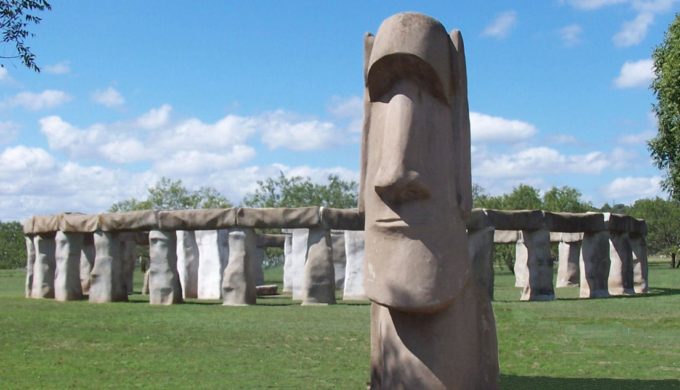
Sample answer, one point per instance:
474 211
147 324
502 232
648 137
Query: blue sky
227 93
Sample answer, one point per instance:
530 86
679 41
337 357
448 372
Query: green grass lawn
616 343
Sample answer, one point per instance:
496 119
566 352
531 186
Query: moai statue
432 326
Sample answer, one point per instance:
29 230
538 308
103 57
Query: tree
168 194
12 247
567 199
298 191
522 197
665 147
15 18
663 224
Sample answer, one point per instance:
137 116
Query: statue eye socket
388 70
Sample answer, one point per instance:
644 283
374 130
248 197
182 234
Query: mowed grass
616 343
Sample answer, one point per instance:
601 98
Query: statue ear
368 47
461 124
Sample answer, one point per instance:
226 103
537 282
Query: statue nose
397 179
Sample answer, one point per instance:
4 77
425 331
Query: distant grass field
617 343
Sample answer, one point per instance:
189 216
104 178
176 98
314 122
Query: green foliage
12 246
665 147
565 199
168 194
15 18
663 223
298 191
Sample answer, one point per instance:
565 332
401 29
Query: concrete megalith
44 267
339 258
128 254
638 245
432 326
481 251
299 257
164 284
213 255
288 263
30 262
620 280
238 283
145 285
594 265
354 268
86 262
569 253
68 249
187 262
539 266
318 282
106 279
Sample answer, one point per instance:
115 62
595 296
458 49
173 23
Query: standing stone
569 253
318 283
30 263
106 278
164 285
187 262
339 258
297 268
520 267
638 245
128 253
288 263
539 266
86 262
481 250
145 285
354 268
594 265
620 280
68 249
213 255
45 264
238 283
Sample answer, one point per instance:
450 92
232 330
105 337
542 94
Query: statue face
416 246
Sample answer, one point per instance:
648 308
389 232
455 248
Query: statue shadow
540 382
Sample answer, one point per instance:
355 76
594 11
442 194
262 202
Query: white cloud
635 74
8 130
109 97
284 130
22 159
350 109
487 128
58 68
4 74
124 151
49 98
590 5
627 189
634 31
501 26
563 139
541 160
155 118
653 6
571 34
638 138
193 162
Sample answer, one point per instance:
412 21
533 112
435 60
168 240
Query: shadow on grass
539 382
653 292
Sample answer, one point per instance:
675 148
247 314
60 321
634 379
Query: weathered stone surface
297 268
555 237
481 250
539 266
505 236
516 219
318 282
479 219
145 286
432 326
44 224
78 223
342 219
128 255
574 222
68 248
620 281
267 290
625 223
30 263
569 254
572 237
200 219
339 258
256 259
164 284
129 221
86 262
238 283
594 265
106 278
187 262
354 267
44 267
213 255
288 263
301 217
638 246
